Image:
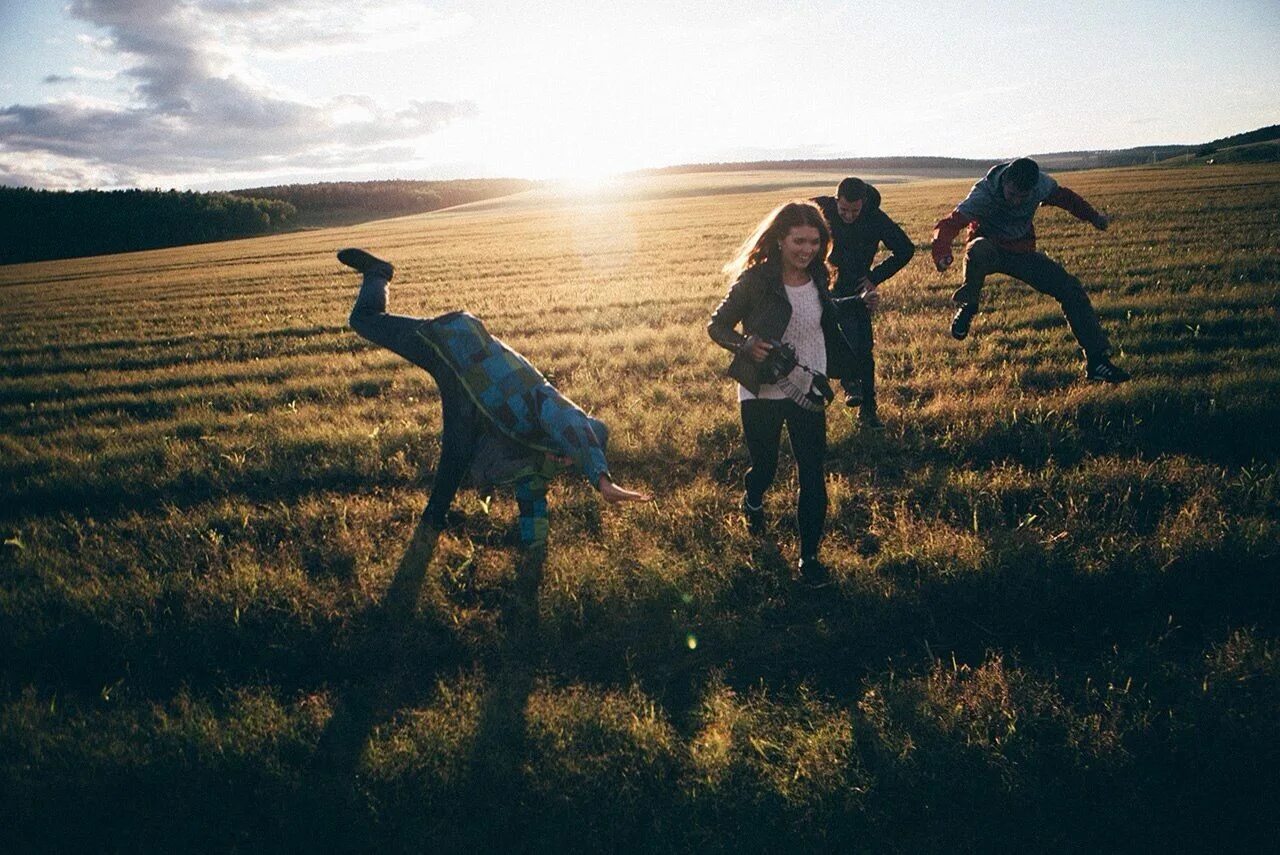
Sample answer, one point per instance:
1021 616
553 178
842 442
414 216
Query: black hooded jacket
854 245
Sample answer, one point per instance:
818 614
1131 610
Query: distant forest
1270 132
44 224
341 202
38 225
944 166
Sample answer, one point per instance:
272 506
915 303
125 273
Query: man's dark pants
855 324
983 256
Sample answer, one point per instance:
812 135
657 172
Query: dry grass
1054 622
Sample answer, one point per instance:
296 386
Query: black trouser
983 256
399 334
855 324
762 422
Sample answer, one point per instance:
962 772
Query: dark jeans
983 256
762 422
855 324
398 333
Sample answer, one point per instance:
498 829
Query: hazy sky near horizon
236 93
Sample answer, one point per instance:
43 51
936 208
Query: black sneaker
963 320
754 516
1105 371
868 420
813 572
365 262
853 399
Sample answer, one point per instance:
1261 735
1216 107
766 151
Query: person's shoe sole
365 262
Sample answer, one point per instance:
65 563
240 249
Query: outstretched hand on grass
613 494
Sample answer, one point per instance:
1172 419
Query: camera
779 362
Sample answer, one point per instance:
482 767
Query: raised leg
1048 277
460 418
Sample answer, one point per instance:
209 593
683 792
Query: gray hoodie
997 218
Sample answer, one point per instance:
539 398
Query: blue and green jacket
530 417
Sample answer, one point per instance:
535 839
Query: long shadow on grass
495 764
382 682
387 684
763 626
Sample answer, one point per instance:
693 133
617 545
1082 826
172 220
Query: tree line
39 225
338 202
44 224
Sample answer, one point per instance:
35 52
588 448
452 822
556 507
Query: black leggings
762 422
461 420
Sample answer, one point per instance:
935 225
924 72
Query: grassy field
1055 623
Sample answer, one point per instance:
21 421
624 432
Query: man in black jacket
858 227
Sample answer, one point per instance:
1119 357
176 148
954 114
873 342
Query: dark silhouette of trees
43 224
37 225
334 202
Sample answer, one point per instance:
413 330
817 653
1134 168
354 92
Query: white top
804 333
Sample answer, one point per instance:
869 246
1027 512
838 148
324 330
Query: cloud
80 74
191 109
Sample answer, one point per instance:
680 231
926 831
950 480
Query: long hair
763 245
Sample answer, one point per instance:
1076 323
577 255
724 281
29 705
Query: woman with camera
788 346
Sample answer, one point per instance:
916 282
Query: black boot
1105 371
852 393
366 262
963 320
813 572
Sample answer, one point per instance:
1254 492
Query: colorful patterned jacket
524 409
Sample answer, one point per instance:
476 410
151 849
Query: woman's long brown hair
763 245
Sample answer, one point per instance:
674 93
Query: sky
222 94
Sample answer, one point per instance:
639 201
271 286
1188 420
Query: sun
581 170
589 182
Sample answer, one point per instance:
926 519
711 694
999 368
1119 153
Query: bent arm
944 234
900 247
732 309
569 431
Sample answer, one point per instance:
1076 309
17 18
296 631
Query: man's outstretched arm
571 433
1075 204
